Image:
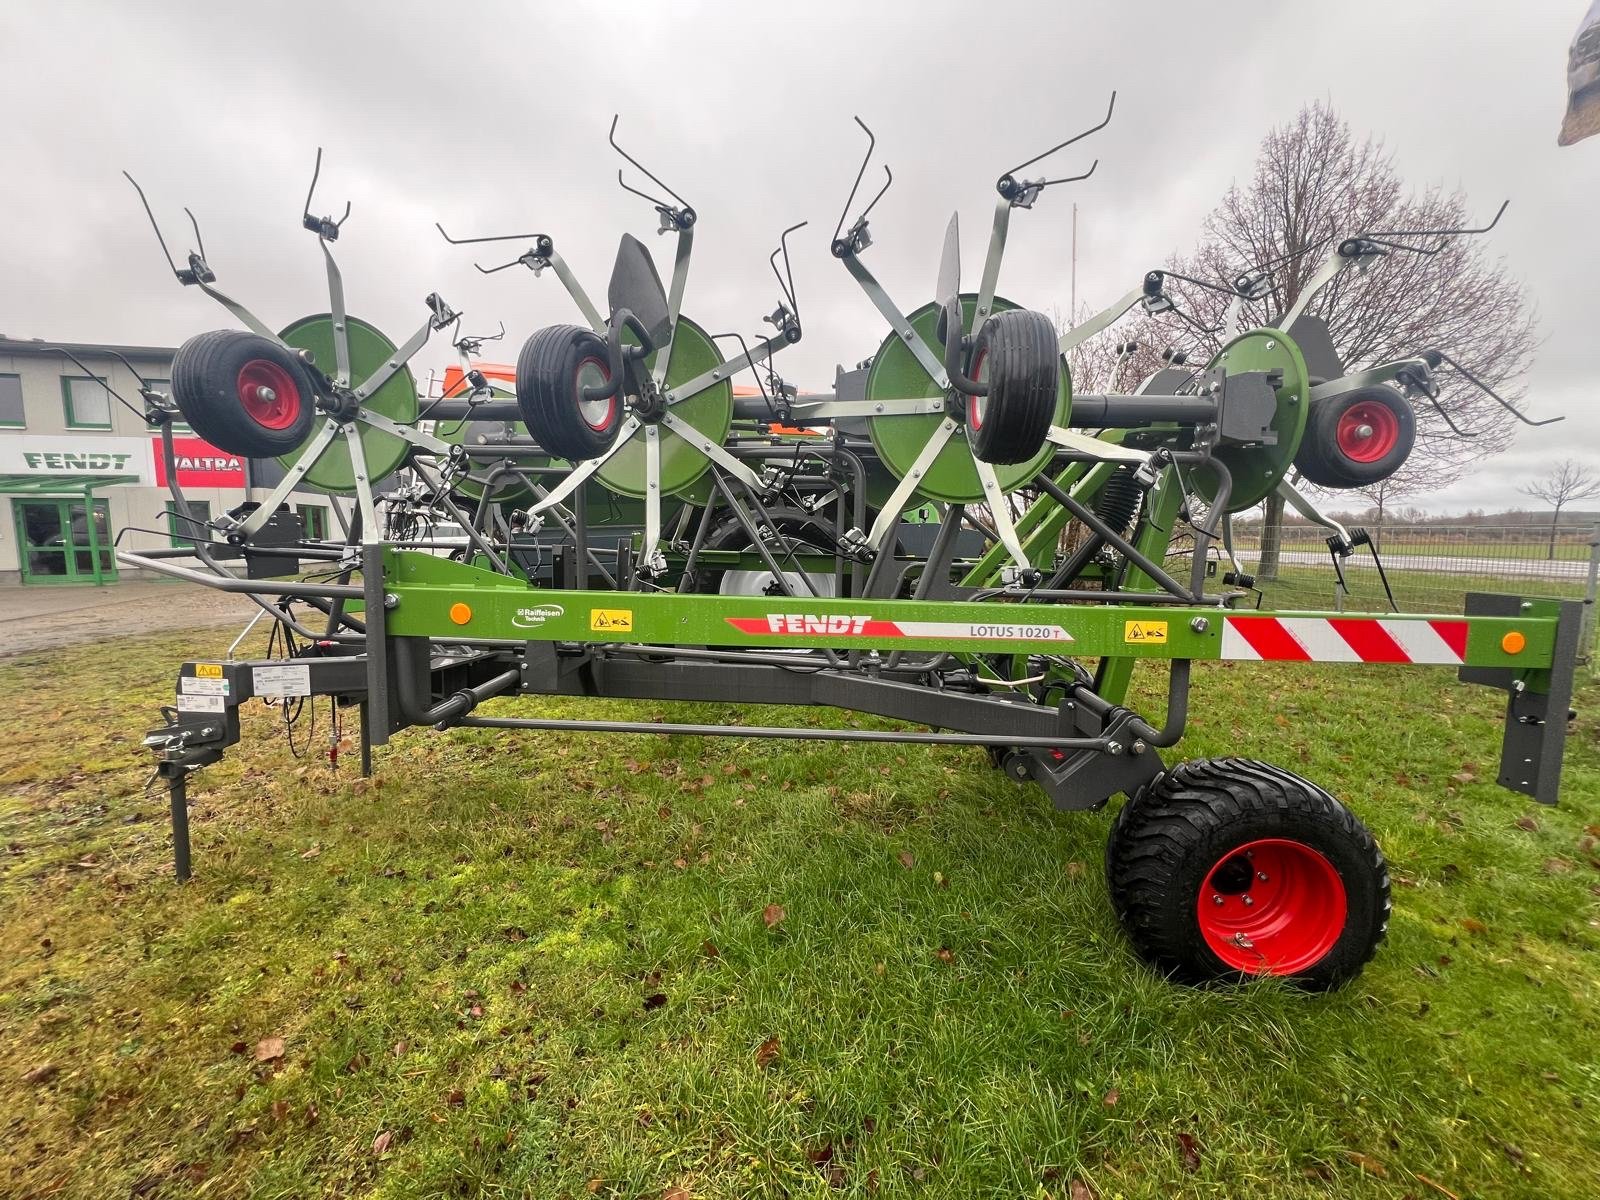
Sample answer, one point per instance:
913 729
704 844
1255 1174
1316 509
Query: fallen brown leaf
1528 823
1079 1190
381 1142
1473 925
768 1051
773 914
676 1193
269 1048
1437 1186
709 949
907 859
1110 1099
43 1073
654 1000
1367 1163
315 850
1190 1151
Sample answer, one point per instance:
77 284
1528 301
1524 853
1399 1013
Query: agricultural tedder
618 521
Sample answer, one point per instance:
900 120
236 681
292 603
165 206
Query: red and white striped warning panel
1344 639
839 625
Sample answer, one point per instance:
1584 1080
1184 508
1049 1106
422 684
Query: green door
58 543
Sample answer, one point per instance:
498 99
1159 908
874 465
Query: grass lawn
552 966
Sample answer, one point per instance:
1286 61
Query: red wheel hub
1272 907
976 404
598 415
269 394
1367 431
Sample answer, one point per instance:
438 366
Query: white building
81 473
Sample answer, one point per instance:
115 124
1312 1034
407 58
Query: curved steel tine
1072 178
1078 137
1454 428
501 237
888 178
316 173
772 261
155 225
611 137
1498 399
319 225
105 383
872 142
1394 233
744 349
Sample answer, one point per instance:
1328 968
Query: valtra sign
200 464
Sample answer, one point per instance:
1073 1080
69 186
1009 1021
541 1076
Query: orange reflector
461 614
1513 642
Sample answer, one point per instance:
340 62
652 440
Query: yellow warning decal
208 670
1145 632
611 620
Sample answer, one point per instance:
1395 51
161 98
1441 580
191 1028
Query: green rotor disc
896 375
396 399
710 412
1257 470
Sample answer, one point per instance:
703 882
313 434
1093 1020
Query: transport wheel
1015 354
1357 438
243 393
1221 869
556 364
805 533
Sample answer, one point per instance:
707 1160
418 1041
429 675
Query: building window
188 531
11 415
87 401
316 518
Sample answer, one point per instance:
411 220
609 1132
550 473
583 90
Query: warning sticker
201 704
294 680
208 670
1145 632
611 620
191 686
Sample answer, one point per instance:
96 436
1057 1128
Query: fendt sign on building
200 464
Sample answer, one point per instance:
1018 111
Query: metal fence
1430 568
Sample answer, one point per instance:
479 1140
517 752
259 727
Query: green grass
540 967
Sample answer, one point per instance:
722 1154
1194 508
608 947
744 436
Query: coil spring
1118 502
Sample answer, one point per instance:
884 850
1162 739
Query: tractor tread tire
205 373
1023 362
1176 828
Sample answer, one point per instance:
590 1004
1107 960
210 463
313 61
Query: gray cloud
493 118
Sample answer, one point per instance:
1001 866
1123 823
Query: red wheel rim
976 404
598 415
269 394
1367 431
1272 907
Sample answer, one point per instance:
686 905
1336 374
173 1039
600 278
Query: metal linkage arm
1101 321
759 353
891 313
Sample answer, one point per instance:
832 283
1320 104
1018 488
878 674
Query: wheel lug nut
1216 899
1248 902
1262 876
266 394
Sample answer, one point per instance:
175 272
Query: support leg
178 796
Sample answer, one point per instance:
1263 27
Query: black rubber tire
1325 463
1017 353
792 523
210 374
1170 835
549 392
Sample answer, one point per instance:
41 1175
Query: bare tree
1314 183
1567 481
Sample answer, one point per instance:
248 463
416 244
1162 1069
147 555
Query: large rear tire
1223 869
243 393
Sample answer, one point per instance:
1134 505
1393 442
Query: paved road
1502 568
38 618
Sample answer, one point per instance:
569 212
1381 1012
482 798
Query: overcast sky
492 119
